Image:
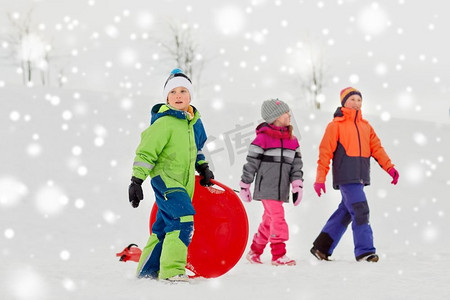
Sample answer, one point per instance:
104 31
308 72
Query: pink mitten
245 193
297 191
318 187
394 174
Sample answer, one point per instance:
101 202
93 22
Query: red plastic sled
220 230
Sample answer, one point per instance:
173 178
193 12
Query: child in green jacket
170 151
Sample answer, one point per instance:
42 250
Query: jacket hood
343 113
162 110
273 131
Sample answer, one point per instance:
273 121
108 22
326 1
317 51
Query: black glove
135 193
206 173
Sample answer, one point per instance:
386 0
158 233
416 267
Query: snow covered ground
66 153
64 213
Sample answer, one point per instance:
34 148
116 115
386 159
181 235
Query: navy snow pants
352 209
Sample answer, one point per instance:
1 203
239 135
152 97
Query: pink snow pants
273 229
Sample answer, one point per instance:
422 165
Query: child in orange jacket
350 141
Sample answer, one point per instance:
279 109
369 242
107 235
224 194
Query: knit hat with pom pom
347 92
176 79
272 109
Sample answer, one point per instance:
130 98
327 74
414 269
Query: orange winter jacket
350 141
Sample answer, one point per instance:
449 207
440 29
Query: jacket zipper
190 145
360 151
281 166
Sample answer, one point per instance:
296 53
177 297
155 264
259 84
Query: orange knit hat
347 92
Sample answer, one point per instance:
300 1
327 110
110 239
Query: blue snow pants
352 209
165 254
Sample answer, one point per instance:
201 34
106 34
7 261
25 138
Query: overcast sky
393 51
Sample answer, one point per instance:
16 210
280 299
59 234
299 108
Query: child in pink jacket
274 157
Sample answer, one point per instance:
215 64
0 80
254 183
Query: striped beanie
176 79
347 92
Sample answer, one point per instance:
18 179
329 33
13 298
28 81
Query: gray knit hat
272 109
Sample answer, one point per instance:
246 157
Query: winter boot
253 257
371 257
283 261
319 255
178 278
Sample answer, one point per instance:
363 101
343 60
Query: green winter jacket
171 147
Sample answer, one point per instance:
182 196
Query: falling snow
13 191
50 199
68 146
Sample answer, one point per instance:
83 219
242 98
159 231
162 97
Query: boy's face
179 98
354 102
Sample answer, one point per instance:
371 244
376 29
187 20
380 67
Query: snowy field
67 147
66 163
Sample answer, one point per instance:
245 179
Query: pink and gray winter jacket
274 156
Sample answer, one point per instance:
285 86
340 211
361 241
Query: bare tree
313 77
183 50
27 48
15 38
